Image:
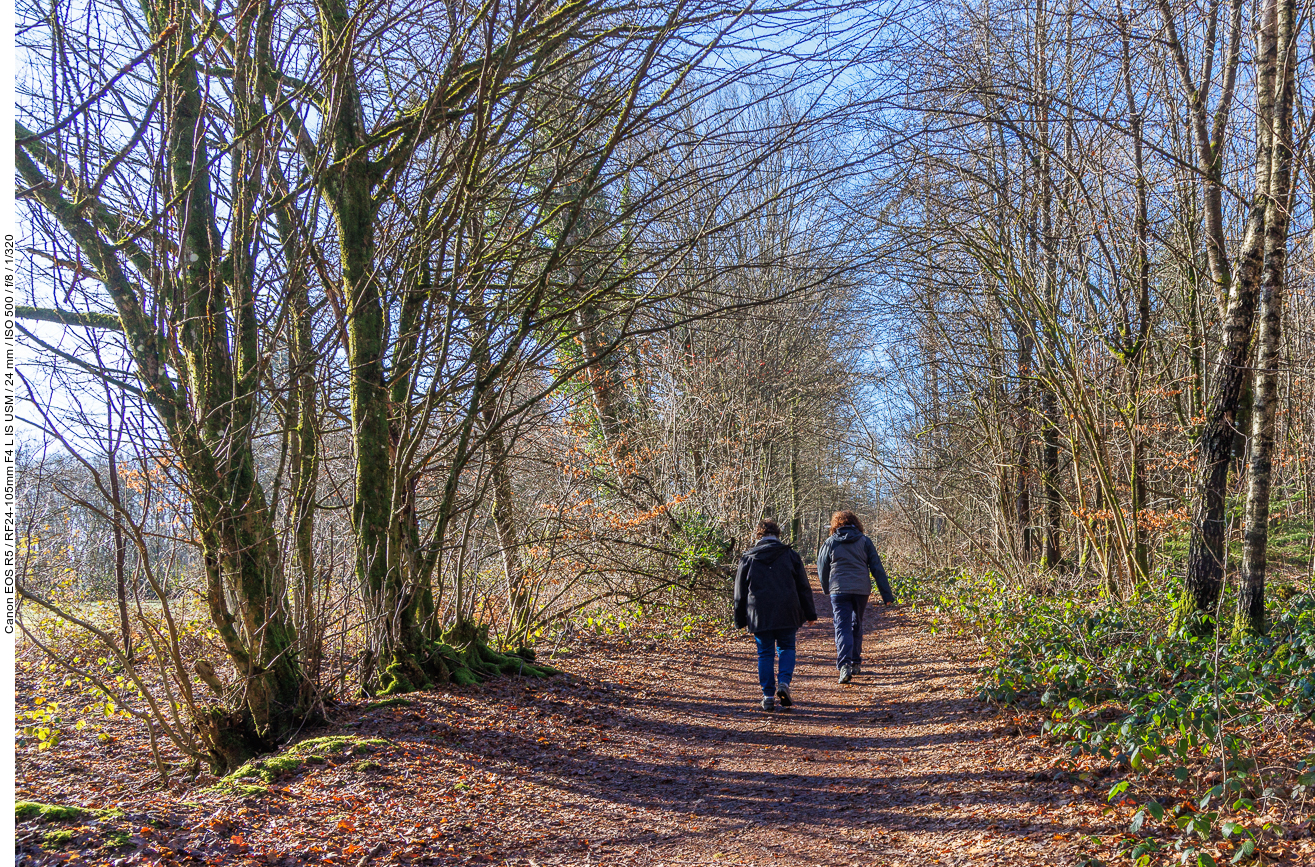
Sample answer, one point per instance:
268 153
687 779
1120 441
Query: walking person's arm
824 566
742 595
801 587
879 573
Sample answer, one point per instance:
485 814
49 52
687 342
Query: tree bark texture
1207 546
207 413
1281 16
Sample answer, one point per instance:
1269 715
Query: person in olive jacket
844 563
772 600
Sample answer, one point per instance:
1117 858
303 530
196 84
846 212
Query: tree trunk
1023 447
1281 16
1050 551
304 435
519 600
796 502
382 492
1206 551
1134 340
504 519
120 552
213 349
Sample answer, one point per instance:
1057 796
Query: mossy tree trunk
200 377
394 566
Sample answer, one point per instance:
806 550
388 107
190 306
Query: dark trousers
770 644
847 614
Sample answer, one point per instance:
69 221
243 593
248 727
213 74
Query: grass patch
366 766
311 751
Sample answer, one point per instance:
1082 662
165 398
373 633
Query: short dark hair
845 519
767 527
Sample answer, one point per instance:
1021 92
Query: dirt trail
901 766
653 753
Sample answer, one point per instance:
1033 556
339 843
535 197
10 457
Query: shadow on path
899 760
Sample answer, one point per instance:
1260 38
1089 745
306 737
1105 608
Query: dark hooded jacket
771 589
846 560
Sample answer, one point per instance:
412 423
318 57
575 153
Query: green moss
462 656
275 766
464 677
395 701
58 839
1286 592
337 744
117 839
471 660
403 674
366 766
310 751
26 810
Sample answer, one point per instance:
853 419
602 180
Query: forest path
901 766
650 751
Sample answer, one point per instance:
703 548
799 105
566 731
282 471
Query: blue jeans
847 613
769 643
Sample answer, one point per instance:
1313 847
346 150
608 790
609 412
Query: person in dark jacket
772 600
844 564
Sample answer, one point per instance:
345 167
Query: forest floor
646 752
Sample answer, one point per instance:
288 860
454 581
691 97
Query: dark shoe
768 703
856 669
845 674
783 693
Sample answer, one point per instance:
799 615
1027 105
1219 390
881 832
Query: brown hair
845 519
767 527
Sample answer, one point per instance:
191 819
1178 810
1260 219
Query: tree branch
70 317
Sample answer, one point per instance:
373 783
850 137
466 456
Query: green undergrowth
1205 731
675 613
655 621
313 751
1289 548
